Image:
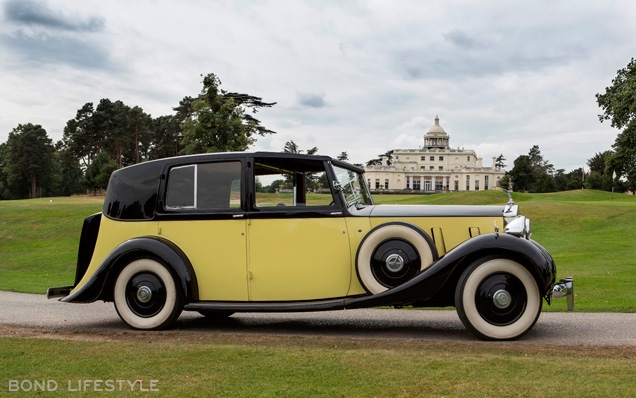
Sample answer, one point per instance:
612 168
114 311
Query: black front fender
101 283
441 277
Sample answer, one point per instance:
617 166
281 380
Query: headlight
520 226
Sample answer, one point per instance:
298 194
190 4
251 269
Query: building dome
436 138
436 128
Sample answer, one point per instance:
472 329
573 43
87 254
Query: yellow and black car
271 232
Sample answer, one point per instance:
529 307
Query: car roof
132 191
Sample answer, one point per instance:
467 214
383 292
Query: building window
416 184
441 168
377 183
432 158
441 158
386 183
422 167
476 185
485 183
456 185
468 183
439 185
423 158
431 168
468 158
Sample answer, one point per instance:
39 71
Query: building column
409 182
445 183
433 183
421 183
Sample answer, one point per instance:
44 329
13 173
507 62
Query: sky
361 77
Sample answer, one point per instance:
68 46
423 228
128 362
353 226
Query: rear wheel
146 295
498 299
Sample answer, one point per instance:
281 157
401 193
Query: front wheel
498 299
146 295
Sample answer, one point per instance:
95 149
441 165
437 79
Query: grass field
223 365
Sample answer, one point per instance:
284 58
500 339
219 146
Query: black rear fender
101 283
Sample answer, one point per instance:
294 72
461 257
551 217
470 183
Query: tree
499 162
72 177
291 147
4 189
165 137
522 174
601 170
343 156
29 162
98 173
378 161
217 120
542 170
124 133
80 135
619 105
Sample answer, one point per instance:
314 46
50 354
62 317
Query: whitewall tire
498 299
391 254
146 295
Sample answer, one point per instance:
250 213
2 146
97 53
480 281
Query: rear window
204 186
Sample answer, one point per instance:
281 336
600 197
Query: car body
200 233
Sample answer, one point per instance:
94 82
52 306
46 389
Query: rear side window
204 186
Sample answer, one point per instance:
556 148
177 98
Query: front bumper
565 288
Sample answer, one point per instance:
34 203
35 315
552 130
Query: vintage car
200 233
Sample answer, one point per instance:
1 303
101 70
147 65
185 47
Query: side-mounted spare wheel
146 295
498 299
391 254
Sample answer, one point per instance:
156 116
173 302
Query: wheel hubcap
501 299
144 294
394 263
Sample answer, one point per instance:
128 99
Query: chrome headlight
519 226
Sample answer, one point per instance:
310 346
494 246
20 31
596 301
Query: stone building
435 167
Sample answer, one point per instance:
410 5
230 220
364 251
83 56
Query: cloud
311 100
463 40
38 13
36 33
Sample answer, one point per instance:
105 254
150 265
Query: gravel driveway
35 312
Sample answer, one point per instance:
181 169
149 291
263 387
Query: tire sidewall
413 236
467 287
171 308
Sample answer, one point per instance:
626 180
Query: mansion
433 168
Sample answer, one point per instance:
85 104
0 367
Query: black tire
212 314
146 295
498 299
391 254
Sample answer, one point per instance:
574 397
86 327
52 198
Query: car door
203 216
297 238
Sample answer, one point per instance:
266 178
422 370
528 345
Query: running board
268 306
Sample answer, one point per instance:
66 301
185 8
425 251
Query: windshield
353 187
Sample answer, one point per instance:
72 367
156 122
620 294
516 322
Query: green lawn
589 233
225 365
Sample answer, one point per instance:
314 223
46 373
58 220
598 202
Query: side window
291 184
204 186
